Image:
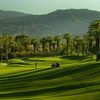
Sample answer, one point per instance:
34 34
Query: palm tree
13 46
88 39
54 46
94 30
49 40
67 37
1 48
34 42
72 49
57 39
43 41
77 44
23 41
6 43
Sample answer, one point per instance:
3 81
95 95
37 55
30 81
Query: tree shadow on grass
18 64
79 58
55 73
71 71
27 72
73 57
88 60
34 60
56 89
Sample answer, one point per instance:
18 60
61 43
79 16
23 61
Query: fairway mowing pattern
76 79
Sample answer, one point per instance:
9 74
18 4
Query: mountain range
57 22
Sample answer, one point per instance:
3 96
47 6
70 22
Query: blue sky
46 6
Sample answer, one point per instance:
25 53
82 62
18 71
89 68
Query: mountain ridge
10 14
57 22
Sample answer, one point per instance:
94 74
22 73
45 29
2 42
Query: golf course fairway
76 79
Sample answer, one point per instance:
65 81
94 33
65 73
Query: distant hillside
57 22
10 14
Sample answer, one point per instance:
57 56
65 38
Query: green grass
76 79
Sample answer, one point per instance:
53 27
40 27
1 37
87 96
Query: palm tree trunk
57 45
67 42
97 48
1 56
43 47
50 47
90 45
34 47
77 48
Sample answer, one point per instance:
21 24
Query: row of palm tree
94 31
14 45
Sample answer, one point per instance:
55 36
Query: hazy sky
46 6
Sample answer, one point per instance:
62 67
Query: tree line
23 45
